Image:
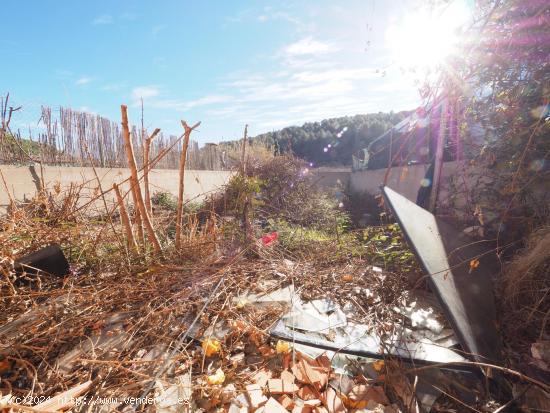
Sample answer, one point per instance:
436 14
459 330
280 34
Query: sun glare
423 39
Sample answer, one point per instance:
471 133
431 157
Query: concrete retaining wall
404 179
332 177
23 181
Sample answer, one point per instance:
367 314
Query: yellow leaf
353 404
217 378
282 347
474 264
211 347
378 365
241 303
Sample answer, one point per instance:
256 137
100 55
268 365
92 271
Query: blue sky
225 63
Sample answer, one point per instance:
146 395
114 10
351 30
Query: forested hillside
330 142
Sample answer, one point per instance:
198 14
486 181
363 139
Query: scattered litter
420 317
50 260
284 295
280 386
273 406
355 339
255 395
171 399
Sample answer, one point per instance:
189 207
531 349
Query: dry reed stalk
13 206
130 240
187 133
140 205
193 224
146 154
139 224
152 163
247 227
243 153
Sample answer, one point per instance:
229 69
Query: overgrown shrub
288 192
164 200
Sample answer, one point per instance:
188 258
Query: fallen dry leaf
217 378
211 347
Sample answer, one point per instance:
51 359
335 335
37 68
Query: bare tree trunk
146 154
179 214
135 181
130 240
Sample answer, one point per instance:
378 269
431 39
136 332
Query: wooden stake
135 181
148 142
179 214
130 240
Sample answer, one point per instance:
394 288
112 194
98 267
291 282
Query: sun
425 38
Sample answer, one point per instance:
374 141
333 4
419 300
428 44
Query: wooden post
146 169
134 181
130 240
183 157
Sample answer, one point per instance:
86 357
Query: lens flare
425 38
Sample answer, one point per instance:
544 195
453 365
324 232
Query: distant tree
330 142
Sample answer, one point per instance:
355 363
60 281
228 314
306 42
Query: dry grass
525 293
147 304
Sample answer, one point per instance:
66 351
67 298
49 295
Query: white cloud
185 105
308 46
145 92
157 99
84 80
113 87
334 74
292 95
270 15
87 109
103 19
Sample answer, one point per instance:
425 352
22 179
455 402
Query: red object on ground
269 239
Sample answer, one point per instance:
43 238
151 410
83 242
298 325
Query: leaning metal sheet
465 291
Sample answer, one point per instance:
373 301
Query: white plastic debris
421 318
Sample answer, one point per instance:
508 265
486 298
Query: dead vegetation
524 294
170 320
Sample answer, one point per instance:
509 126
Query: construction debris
449 258
49 260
